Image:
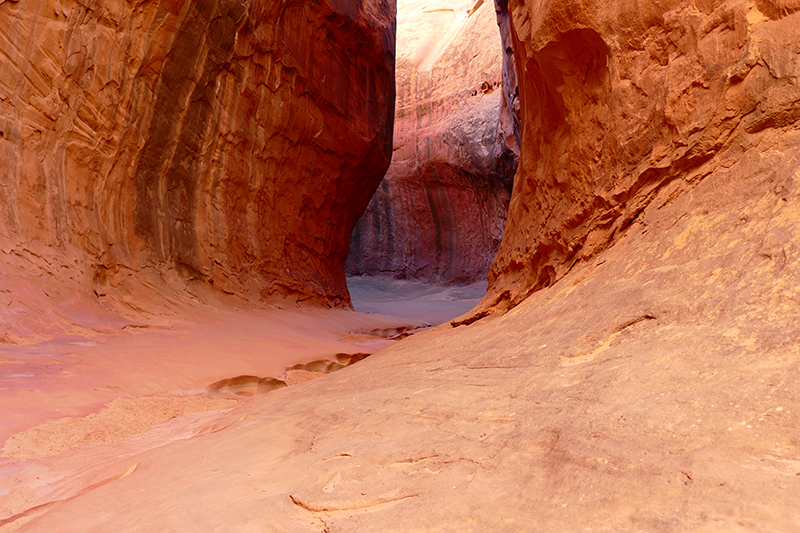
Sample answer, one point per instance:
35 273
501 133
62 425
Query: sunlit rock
440 211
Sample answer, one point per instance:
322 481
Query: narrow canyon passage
181 183
425 242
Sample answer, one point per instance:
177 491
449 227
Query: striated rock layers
626 103
651 388
440 211
220 141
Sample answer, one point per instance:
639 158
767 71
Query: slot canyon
358 265
438 215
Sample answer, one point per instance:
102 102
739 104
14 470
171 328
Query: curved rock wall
625 103
221 141
440 211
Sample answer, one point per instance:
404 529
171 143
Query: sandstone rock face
228 142
439 214
624 103
652 389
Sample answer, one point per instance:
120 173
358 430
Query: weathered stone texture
623 102
228 142
440 211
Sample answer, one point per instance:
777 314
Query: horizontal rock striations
439 214
226 142
624 104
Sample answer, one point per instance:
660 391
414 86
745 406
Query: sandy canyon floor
653 389
75 402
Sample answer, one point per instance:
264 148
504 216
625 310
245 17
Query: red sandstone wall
229 142
440 211
621 103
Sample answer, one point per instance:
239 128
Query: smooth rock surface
173 142
623 102
651 389
440 211
70 405
651 386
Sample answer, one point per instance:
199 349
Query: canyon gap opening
426 241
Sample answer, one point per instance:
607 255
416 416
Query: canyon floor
429 303
76 401
651 389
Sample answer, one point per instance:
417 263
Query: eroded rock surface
440 211
226 142
622 102
651 389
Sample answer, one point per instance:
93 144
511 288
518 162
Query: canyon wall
625 103
440 211
227 143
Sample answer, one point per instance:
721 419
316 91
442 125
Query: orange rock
296 377
227 142
622 104
651 388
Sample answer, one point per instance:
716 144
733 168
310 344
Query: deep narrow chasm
633 366
436 221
